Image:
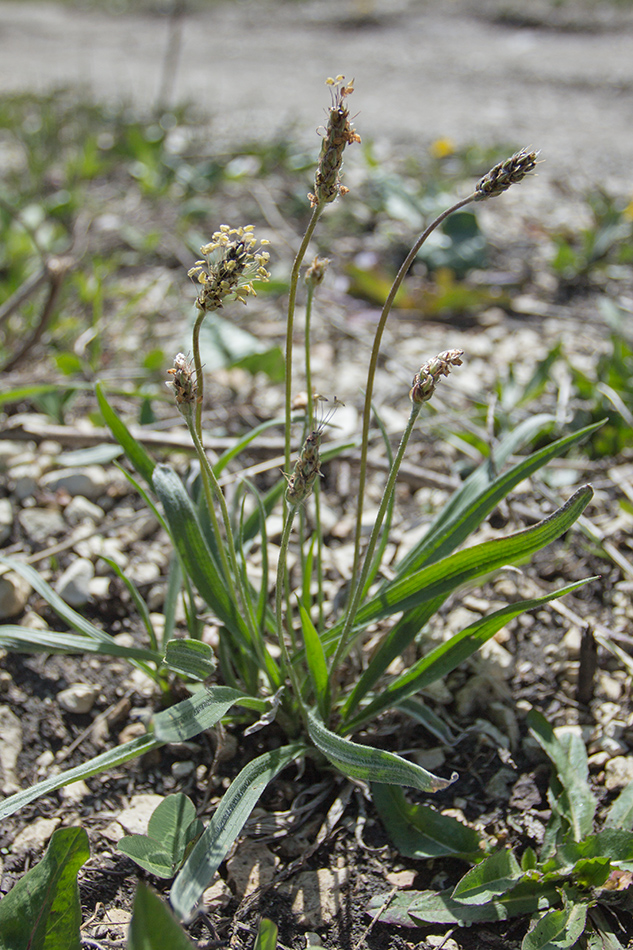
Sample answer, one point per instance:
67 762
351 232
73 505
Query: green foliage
42 911
607 242
276 662
562 888
172 832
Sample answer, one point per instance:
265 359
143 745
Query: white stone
78 698
182 769
134 819
618 772
81 509
74 584
89 481
14 594
216 897
40 524
35 836
6 519
10 748
75 792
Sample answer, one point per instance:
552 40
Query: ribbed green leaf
372 765
190 717
66 613
432 584
446 657
418 831
26 640
139 603
557 929
482 492
142 462
107 760
191 658
193 551
226 824
620 814
315 658
42 911
412 908
495 875
569 757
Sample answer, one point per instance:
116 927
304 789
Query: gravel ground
557 77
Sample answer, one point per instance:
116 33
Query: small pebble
74 584
35 836
40 524
89 481
78 698
14 595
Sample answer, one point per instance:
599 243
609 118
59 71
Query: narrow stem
292 300
373 363
359 586
279 599
308 364
230 565
199 375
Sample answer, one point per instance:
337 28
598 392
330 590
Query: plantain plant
283 658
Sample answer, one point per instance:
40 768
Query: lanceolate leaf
432 584
66 613
557 928
412 908
479 495
108 760
569 758
193 551
315 658
190 717
137 455
26 640
225 826
448 656
496 875
418 831
42 911
620 815
372 765
190 658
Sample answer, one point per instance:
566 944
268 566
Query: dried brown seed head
509 172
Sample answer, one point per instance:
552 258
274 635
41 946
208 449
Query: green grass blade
445 658
61 608
372 765
569 757
481 493
226 824
190 717
193 551
139 603
26 640
434 583
142 462
174 586
315 659
107 760
620 814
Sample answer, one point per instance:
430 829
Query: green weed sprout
576 884
285 660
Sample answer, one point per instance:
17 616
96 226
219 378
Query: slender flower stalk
184 386
494 183
422 389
